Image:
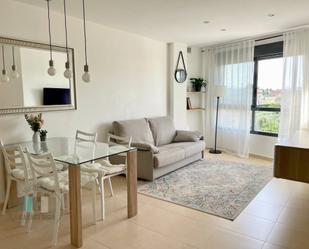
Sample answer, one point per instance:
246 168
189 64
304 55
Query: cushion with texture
48 183
19 173
138 128
187 136
103 168
163 130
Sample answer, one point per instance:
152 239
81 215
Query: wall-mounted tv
56 96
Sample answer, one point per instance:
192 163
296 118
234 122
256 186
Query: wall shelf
194 92
196 109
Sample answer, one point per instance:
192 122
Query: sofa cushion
138 128
190 148
187 136
163 130
168 155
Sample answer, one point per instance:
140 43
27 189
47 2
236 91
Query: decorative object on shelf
14 73
198 83
35 122
51 70
180 73
43 134
67 73
189 105
219 92
86 75
4 77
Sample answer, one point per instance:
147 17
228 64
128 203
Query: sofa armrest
146 147
188 136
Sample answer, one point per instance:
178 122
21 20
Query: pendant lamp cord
85 37
13 55
3 61
49 31
66 29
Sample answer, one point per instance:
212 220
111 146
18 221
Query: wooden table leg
132 183
75 206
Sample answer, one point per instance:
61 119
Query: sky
270 73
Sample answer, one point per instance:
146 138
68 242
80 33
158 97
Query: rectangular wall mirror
34 90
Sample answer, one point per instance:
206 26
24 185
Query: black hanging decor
180 73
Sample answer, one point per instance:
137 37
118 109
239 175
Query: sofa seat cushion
138 128
192 148
163 130
174 152
168 155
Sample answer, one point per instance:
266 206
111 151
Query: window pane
267 122
270 78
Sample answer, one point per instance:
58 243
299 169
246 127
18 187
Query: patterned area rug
221 188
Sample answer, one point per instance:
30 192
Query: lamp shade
219 91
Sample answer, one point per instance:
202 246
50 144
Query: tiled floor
277 218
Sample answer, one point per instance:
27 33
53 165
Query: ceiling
182 20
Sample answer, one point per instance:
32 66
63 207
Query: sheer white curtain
295 91
232 66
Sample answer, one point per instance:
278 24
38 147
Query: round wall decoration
180 73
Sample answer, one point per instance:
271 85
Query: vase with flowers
35 122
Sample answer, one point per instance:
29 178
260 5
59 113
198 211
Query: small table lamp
219 91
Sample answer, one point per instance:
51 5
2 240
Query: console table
291 159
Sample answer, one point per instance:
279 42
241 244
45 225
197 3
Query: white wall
194 64
129 74
195 119
262 145
178 91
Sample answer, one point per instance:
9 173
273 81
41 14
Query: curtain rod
257 38
267 38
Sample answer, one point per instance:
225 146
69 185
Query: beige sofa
161 149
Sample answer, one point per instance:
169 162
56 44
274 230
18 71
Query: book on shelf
189 105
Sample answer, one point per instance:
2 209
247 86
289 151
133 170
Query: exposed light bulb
51 70
14 73
4 77
86 75
67 73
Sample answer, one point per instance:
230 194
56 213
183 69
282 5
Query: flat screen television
56 96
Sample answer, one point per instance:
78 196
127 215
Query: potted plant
43 134
35 122
198 83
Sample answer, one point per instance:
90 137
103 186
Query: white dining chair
91 137
52 182
16 170
86 136
106 170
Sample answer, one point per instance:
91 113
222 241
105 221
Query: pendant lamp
14 73
51 70
4 77
67 73
86 75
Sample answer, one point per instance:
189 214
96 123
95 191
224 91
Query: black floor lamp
219 92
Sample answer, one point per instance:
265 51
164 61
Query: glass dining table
75 152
